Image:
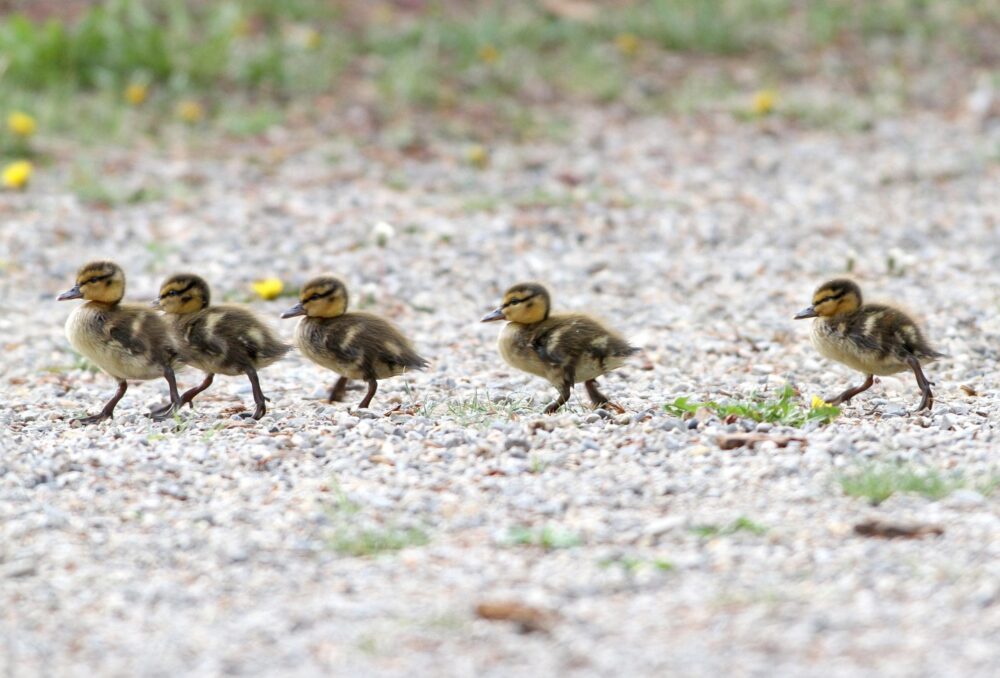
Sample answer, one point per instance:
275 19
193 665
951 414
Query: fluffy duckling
871 338
124 340
354 345
217 339
565 349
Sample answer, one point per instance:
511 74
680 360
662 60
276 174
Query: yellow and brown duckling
565 349
354 345
227 340
125 340
871 338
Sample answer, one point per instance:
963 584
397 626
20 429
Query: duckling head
100 281
323 297
833 298
183 293
525 303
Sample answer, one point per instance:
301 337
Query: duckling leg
192 392
258 395
927 401
599 399
565 389
337 392
372 387
109 408
175 399
851 392
187 396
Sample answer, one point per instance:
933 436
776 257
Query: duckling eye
96 278
172 293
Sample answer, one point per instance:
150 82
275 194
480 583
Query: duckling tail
411 361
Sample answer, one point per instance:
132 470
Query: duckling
218 339
871 338
124 340
565 349
354 345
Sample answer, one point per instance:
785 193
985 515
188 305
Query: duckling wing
248 338
562 340
379 347
139 335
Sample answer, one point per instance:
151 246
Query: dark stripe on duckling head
182 284
515 302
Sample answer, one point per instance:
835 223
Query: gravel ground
222 546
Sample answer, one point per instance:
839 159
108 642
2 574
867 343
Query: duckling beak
297 309
155 303
73 293
495 315
806 313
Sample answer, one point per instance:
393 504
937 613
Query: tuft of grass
784 409
79 363
741 524
359 541
482 410
876 483
549 537
632 564
373 541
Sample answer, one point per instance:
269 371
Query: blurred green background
109 71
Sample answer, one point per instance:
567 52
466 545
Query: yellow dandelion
243 27
627 44
17 174
190 111
136 93
818 403
489 54
312 39
21 124
383 13
477 155
268 288
764 101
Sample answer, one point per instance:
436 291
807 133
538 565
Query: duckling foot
337 392
258 395
851 392
599 399
372 387
108 410
92 419
927 400
164 413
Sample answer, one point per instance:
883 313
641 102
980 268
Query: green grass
631 564
501 58
78 363
350 538
371 542
482 410
876 483
549 537
741 524
784 408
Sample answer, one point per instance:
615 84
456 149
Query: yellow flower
477 155
268 288
818 403
21 124
17 174
488 54
627 44
312 38
764 101
190 110
136 93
